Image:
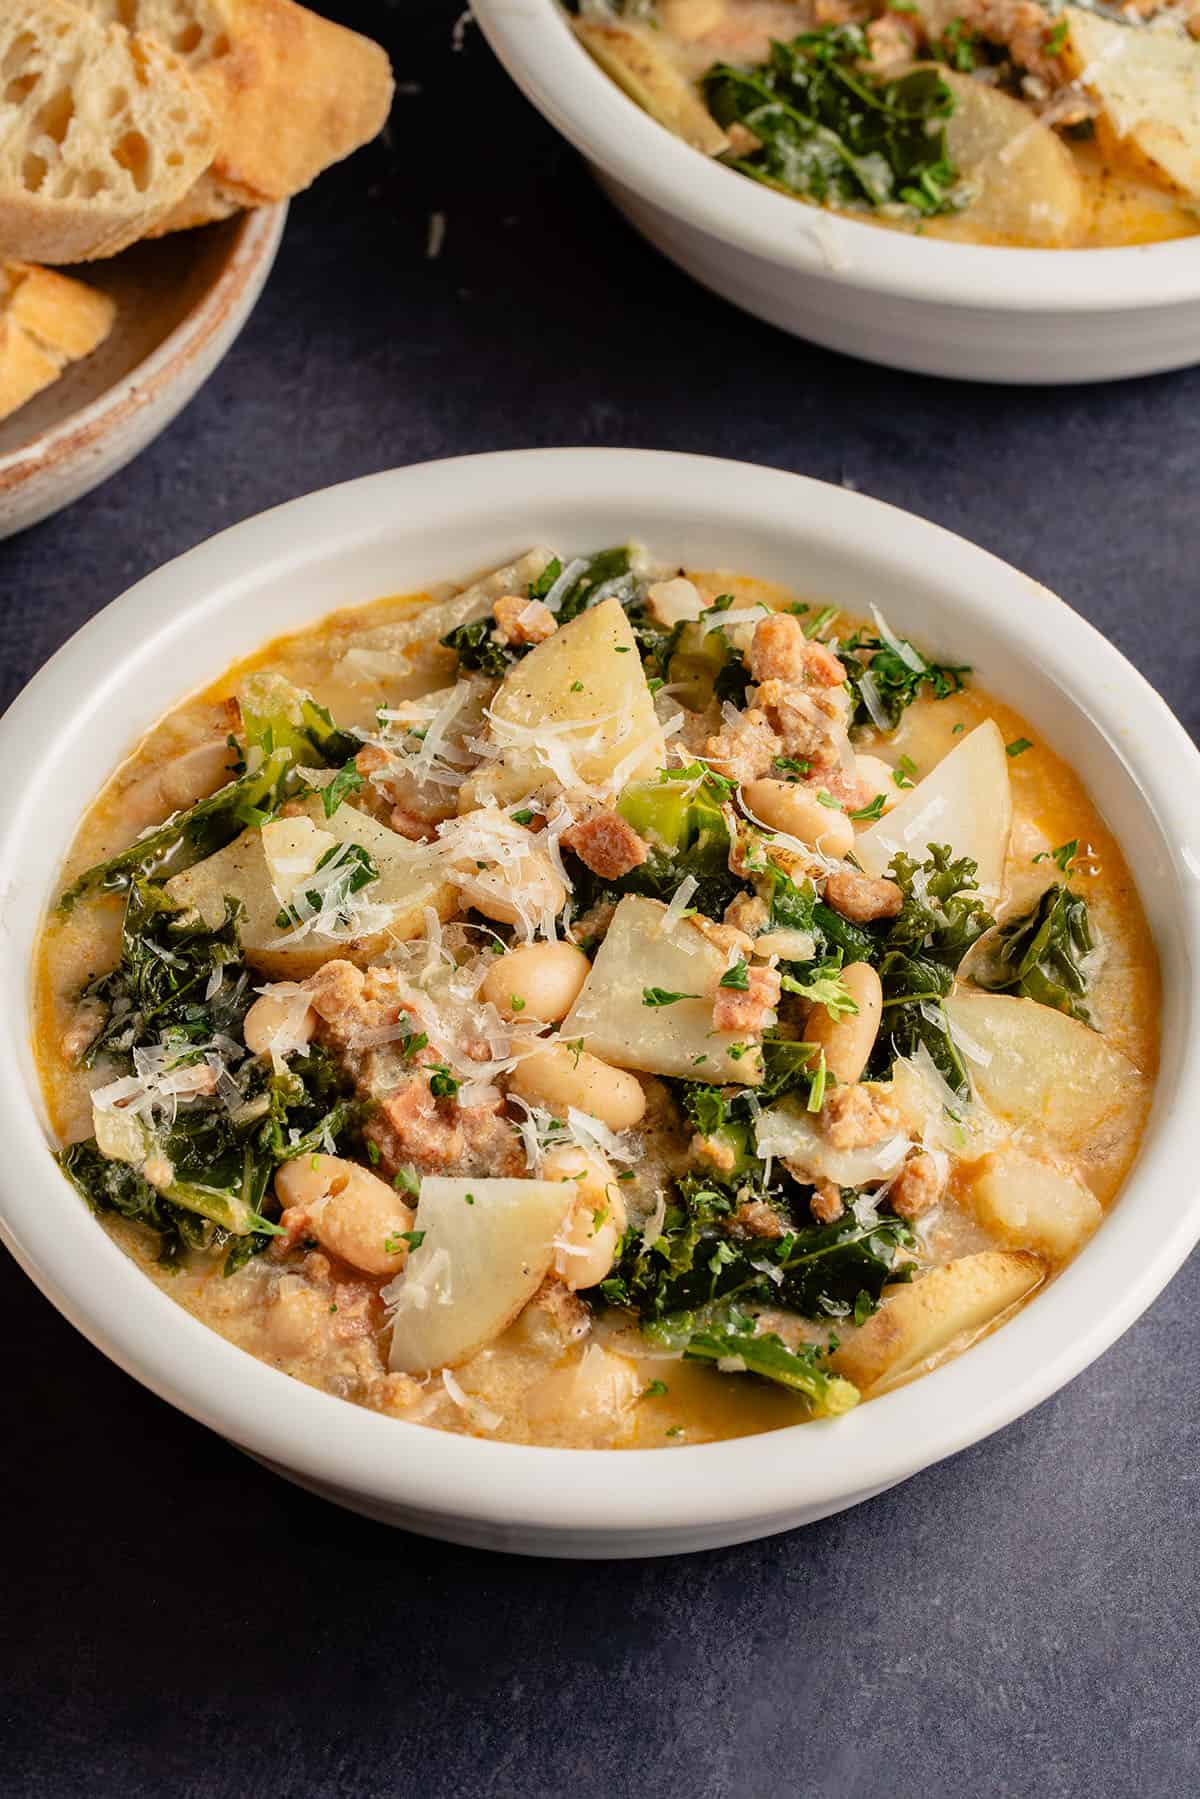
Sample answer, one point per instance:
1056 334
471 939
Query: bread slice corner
47 321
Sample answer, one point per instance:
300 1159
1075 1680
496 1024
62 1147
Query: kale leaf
478 650
481 652
680 816
285 729
190 836
731 1337
605 566
819 1271
216 1151
831 132
1040 954
942 916
896 683
161 982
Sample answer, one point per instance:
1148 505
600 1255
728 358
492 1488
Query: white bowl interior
178 629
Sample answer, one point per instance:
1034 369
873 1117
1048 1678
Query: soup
984 121
611 1005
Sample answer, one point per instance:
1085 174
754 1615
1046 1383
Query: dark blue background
1020 1621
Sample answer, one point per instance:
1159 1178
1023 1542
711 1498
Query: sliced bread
291 91
102 133
46 321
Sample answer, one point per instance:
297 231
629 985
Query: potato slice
949 1306
572 714
648 76
409 881
1025 185
965 802
615 1022
487 1248
1146 78
1041 1070
1026 1204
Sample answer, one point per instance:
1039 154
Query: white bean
350 1211
278 1022
848 1041
875 774
539 980
588 1244
688 20
558 1077
786 806
511 893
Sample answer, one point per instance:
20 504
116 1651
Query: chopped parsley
874 808
662 996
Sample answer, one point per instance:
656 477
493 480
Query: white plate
401 530
981 313
181 302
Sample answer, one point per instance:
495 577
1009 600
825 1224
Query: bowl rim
254 246
534 42
744 1482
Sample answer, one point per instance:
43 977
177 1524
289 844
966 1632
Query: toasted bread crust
292 92
46 322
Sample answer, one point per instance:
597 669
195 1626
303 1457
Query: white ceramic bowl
181 302
399 530
943 309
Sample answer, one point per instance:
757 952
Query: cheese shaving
475 1409
905 651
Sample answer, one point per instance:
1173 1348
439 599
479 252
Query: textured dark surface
1019 1621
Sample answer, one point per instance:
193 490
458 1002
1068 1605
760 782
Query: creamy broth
1053 126
960 1191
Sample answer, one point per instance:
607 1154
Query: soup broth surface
463 1075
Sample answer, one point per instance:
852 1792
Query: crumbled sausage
748 913
918 1187
755 1218
742 141
371 759
744 748
850 791
335 993
725 937
854 1117
892 42
523 621
809 723
407 824
1024 26
607 844
781 652
826 1204
555 1312
862 898
411 1128
718 1153
747 1009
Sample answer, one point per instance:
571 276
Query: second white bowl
978 313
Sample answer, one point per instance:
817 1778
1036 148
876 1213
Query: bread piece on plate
46 322
291 91
101 133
